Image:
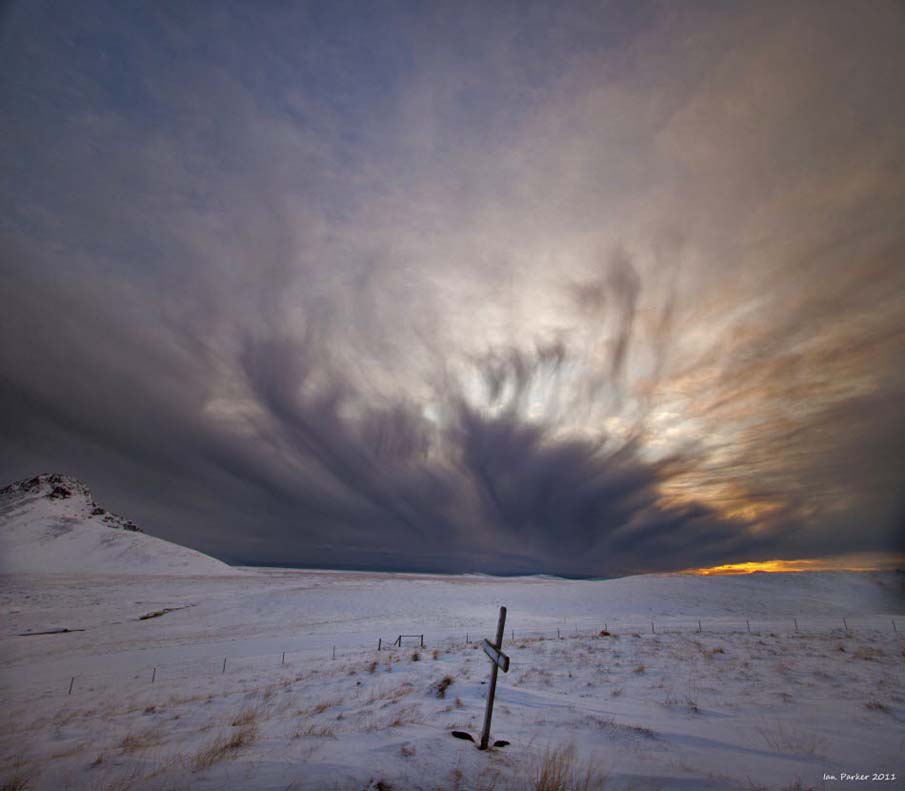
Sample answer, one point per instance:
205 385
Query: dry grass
559 770
321 707
876 705
443 685
318 731
783 738
140 740
224 746
247 716
20 780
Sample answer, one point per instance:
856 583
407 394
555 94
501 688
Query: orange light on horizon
858 562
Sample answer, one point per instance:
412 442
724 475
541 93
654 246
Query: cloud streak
583 290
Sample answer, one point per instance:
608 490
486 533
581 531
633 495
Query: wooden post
224 665
488 715
334 652
894 625
796 624
652 628
845 624
748 624
422 641
466 638
153 675
379 643
699 625
283 659
557 634
70 685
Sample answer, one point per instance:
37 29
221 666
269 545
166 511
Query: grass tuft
559 770
224 746
443 685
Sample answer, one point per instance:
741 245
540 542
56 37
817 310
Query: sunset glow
863 562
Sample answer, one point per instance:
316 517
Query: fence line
73 684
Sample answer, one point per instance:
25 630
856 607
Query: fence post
796 624
557 634
379 643
153 675
283 659
334 652
748 624
699 625
652 628
845 624
422 641
894 625
224 665
70 685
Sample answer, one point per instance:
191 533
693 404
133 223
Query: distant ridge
50 524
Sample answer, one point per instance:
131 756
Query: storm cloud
584 289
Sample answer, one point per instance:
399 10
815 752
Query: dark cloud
581 290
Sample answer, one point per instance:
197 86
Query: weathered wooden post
154 675
73 682
500 660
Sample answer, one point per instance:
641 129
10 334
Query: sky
574 288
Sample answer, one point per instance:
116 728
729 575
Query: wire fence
133 670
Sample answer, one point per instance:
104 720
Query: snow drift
50 524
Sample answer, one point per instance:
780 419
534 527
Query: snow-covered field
660 703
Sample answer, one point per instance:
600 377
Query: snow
185 673
51 524
677 708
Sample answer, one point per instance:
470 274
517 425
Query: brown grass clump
443 685
20 780
247 716
140 740
224 746
876 705
321 707
559 771
416 656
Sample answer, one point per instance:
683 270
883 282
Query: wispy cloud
582 289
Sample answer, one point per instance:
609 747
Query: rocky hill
51 524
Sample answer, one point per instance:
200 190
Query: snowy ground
677 708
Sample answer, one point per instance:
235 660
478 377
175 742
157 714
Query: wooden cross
500 660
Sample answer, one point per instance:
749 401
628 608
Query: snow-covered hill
50 524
